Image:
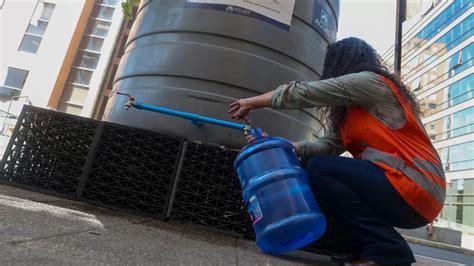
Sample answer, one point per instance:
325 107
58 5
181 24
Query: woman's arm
364 88
329 144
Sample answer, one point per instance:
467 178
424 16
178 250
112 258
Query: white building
54 54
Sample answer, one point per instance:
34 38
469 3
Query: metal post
174 181
89 160
401 16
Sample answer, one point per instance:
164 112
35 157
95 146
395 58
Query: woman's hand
241 108
250 138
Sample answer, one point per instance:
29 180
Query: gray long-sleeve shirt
365 89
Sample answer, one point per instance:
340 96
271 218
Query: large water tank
199 59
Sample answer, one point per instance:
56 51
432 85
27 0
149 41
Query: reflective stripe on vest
396 163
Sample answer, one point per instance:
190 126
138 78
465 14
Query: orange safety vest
407 156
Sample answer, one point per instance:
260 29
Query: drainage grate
132 170
208 193
48 151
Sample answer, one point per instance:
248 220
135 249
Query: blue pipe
190 116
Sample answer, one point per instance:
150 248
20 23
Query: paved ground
43 230
441 256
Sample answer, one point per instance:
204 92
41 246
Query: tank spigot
131 100
128 105
247 130
253 131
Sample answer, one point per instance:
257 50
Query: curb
439 245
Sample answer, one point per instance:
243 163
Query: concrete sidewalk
40 229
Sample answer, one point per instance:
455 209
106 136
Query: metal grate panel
133 170
48 151
208 193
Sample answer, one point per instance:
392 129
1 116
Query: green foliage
127 7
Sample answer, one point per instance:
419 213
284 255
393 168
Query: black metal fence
136 171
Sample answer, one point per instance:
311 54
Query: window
91 44
449 40
460 184
86 60
12 81
457 124
462 156
463 91
98 28
30 43
451 13
74 94
456 93
80 76
445 69
37 27
69 108
463 122
458 157
108 2
103 12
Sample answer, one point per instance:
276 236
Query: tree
127 8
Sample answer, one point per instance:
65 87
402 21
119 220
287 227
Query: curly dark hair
353 55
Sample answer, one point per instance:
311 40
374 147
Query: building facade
109 76
438 65
54 54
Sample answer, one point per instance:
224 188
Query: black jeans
367 205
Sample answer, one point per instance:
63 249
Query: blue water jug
275 188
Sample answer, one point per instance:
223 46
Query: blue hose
190 116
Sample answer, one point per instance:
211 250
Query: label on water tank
323 23
276 12
254 210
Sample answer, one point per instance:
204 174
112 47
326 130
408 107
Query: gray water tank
199 60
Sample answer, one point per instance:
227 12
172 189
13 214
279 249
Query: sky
371 20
